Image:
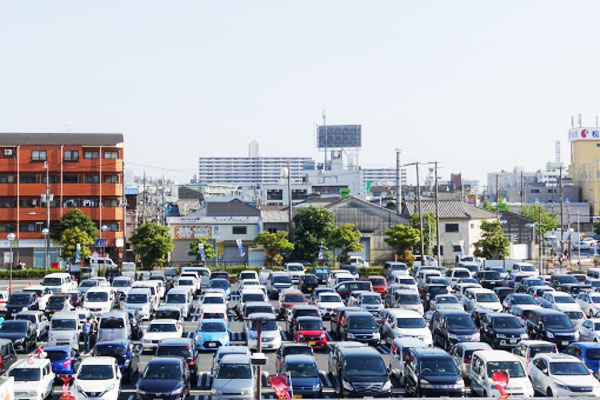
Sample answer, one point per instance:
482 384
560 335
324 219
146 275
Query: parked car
489 279
361 327
553 326
289 348
405 323
483 365
526 350
328 302
225 350
476 299
271 334
97 375
502 331
431 372
33 379
234 373
160 329
338 318
310 330
211 334
295 270
304 373
345 288
39 321
8 353
562 375
462 354
308 283
127 356
18 301
445 302
589 303
58 302
589 330
360 371
21 333
400 349
322 274
392 268
450 327
407 300
65 360
185 348
588 352
379 284
278 282
164 375
288 299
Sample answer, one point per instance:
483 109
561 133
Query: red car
288 299
379 284
310 330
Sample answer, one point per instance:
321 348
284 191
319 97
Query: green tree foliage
209 250
76 218
549 221
493 245
403 238
312 228
428 221
347 239
597 228
152 243
502 205
274 244
70 238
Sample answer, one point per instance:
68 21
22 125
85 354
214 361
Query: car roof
176 342
288 345
409 341
359 314
140 290
496 355
452 312
30 363
473 345
480 290
557 357
114 314
236 358
66 314
427 352
176 290
267 316
299 358
548 311
400 313
57 348
359 351
164 321
308 318
233 350
115 342
531 342
349 343
298 307
165 360
98 360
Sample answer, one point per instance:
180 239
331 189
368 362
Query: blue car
123 350
165 378
305 375
220 283
588 352
211 334
64 360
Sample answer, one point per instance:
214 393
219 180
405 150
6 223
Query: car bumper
445 392
232 397
211 345
156 396
315 344
326 313
348 394
26 396
147 346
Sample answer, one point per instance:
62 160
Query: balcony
81 166
69 189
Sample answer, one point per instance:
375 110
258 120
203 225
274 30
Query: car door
586 330
476 375
539 374
456 354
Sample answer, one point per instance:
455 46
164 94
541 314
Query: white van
359 261
483 365
458 273
181 298
153 286
114 325
203 274
140 299
59 282
99 300
128 269
64 329
525 268
196 278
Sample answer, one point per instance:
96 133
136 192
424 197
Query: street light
11 237
45 232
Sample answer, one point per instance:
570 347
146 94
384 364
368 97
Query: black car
564 282
338 318
516 299
553 326
322 274
8 355
430 291
432 372
502 292
449 327
127 356
56 303
184 348
18 301
164 378
489 279
308 283
360 372
22 333
502 331
360 326
288 348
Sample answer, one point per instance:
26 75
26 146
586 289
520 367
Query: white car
215 298
589 330
403 323
160 329
43 294
270 334
526 350
445 302
525 268
589 303
359 261
97 377
562 375
479 299
564 302
295 270
248 282
140 300
187 282
460 288
34 379
483 365
328 302
99 300
197 280
406 282
459 273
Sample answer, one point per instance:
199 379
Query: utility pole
540 242
398 184
522 192
420 216
437 217
497 199
562 211
47 236
290 204
144 199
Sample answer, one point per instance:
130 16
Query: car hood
458 331
26 386
489 306
306 382
363 378
234 385
162 335
362 331
576 380
311 332
449 306
12 336
441 380
139 306
210 336
568 331
513 331
159 385
568 307
95 385
413 331
332 305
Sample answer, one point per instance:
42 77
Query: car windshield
593 353
213 315
537 349
295 268
162 371
56 355
297 350
56 300
110 350
294 298
595 299
282 279
27 317
377 281
121 283
568 368
534 282
438 281
563 300
514 368
446 300
527 268
213 300
406 281
51 282
96 296
235 371
159 327
462 274
486 297
87 283
330 298
186 282
178 351
111 323
63 324
219 284
13 327
321 271
176 298
351 268
19 300
410 322
259 309
139 298
168 314
303 370
270 325
491 276
212 327
92 372
566 279
359 286
524 300
574 314
438 367
409 299
310 325
507 322
460 322
433 290
247 297
558 322
360 322
364 366
25 374
371 300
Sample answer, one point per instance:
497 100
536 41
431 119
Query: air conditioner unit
8 152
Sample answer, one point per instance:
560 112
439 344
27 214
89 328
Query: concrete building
543 193
585 164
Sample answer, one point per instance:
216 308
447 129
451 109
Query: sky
478 86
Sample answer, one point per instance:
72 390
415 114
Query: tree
347 239
76 218
402 238
549 221
274 244
428 222
502 205
70 238
209 250
493 245
313 227
152 243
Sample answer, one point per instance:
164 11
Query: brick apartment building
84 171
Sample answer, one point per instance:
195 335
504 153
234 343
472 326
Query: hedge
25 273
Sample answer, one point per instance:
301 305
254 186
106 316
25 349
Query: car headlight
316 386
108 389
300 336
21 340
215 392
476 337
561 386
347 385
550 335
323 336
79 389
32 393
501 336
460 383
247 391
376 335
147 340
176 391
351 335
576 335
387 386
524 336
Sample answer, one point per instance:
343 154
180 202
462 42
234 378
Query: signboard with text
579 134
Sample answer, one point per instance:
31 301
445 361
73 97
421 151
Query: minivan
59 282
17 301
432 372
483 365
114 325
140 299
99 300
180 297
360 326
360 372
64 329
154 290
553 326
278 282
400 349
391 268
452 326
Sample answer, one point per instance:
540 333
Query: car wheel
549 393
485 394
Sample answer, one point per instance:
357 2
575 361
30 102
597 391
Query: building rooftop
449 209
233 208
85 139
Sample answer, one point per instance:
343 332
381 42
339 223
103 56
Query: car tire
484 394
549 393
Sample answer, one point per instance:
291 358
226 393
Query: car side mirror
545 371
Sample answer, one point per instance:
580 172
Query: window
89 203
8 202
239 230
7 227
272 230
9 152
456 248
534 191
27 226
28 178
113 227
110 203
52 178
70 178
38 155
7 178
91 179
111 178
111 154
71 203
71 155
91 155
274 194
30 202
451 227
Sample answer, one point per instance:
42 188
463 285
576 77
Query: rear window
535 350
252 297
379 282
178 351
112 323
294 298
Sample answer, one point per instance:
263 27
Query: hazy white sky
477 85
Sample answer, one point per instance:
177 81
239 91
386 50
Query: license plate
513 340
312 343
565 343
212 345
50 315
309 289
297 396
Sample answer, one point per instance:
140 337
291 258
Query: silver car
234 378
462 353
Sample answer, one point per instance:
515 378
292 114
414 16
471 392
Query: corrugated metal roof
449 209
275 216
233 208
84 139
